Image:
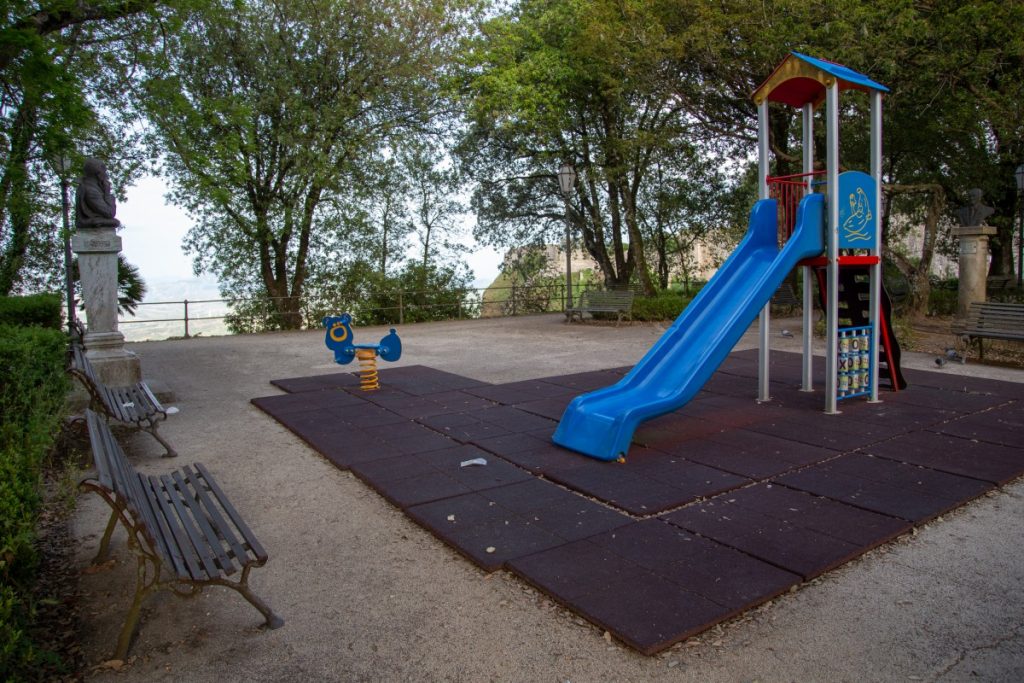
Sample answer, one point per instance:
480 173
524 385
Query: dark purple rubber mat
433 475
946 399
551 408
648 612
777 539
417 380
648 483
515 393
893 488
961 456
714 571
1003 425
335 380
719 506
499 524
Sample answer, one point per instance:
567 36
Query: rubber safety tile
496 525
649 613
780 542
810 430
979 385
845 522
574 569
586 381
743 443
420 380
286 404
551 408
717 572
335 380
1003 425
425 477
913 493
515 443
947 399
547 458
639 495
956 455
514 393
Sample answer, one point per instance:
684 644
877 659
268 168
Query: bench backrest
994 317
80 364
115 474
612 297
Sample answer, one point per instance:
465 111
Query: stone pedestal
973 265
97 250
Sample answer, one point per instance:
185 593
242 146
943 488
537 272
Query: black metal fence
185 318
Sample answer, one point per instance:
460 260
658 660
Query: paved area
370 596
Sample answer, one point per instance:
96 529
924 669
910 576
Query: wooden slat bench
615 301
180 520
134 405
785 297
991 320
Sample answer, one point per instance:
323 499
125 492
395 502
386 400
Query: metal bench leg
171 453
131 620
104 552
242 586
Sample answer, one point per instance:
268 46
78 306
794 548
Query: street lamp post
566 183
1019 177
63 164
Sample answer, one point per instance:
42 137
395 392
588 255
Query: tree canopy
312 142
265 111
63 71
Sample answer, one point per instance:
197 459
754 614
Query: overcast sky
154 230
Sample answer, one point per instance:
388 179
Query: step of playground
720 506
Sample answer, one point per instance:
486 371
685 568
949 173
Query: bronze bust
94 203
976 213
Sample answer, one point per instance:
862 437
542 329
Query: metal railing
253 314
788 190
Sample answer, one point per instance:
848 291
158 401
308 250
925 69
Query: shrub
664 306
43 310
32 390
942 301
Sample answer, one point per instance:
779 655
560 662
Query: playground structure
339 338
829 231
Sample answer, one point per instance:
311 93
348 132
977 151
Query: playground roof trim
801 79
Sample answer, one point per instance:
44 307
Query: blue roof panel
842 73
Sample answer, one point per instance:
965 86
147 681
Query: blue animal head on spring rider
338 338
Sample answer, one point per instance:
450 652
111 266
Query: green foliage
943 297
663 306
43 310
63 68
267 114
595 83
32 390
431 293
414 294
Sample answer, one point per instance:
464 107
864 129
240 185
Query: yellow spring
367 369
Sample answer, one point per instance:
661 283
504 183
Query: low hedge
33 387
42 310
664 306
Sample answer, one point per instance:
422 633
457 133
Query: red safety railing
789 190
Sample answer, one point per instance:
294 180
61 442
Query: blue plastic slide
601 424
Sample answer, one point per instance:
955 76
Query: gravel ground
368 595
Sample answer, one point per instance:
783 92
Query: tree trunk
918 274
17 199
636 240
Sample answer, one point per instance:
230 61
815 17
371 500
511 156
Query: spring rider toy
339 339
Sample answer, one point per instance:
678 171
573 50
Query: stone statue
94 203
976 213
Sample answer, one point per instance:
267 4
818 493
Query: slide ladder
854 311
